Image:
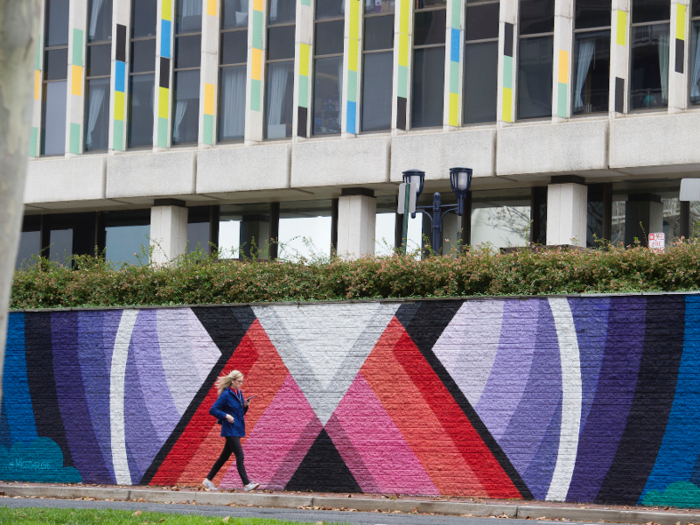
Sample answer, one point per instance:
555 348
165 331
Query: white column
567 208
168 230
209 73
507 49
35 133
303 71
454 40
121 29
165 44
678 57
255 92
352 67
403 59
619 57
76 77
357 216
561 81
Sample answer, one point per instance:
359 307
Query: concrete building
233 122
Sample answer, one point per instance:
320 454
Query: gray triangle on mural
324 347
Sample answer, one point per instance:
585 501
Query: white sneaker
208 484
251 486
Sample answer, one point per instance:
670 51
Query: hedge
199 279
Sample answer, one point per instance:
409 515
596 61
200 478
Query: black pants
233 445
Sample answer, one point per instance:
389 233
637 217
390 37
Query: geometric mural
584 399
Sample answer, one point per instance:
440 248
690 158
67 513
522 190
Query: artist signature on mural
28 464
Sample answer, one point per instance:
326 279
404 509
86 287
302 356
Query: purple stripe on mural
75 414
616 386
538 475
110 326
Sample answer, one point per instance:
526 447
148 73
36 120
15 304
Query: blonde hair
225 382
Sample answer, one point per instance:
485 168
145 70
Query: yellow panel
507 105
405 16
403 50
563 67
211 7
256 68
680 22
209 99
304 59
163 102
354 19
76 83
454 109
258 5
118 105
353 46
621 27
166 12
37 84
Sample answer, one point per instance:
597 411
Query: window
198 228
591 56
244 230
650 39
53 107
188 58
501 218
428 63
233 59
29 241
143 72
280 69
127 236
695 54
328 66
99 62
480 62
377 65
535 53
305 229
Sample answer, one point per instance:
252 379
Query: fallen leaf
225 520
137 513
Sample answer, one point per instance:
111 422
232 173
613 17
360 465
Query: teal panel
508 72
562 100
162 132
255 87
303 91
257 29
208 132
402 86
454 77
37 64
118 141
352 86
34 142
74 145
306 2
456 20
77 47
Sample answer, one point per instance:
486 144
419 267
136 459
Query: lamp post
460 181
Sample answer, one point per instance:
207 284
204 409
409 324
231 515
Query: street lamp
460 181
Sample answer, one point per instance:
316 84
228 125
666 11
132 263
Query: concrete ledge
598 515
65 179
243 168
569 147
436 153
151 174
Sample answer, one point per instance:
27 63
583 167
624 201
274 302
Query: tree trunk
19 27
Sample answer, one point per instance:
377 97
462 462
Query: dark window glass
143 18
328 85
53 126
99 60
282 11
29 244
56 64
232 103
186 97
650 10
188 51
649 83
143 56
591 72
99 20
280 42
430 28
376 91
278 100
57 22
189 16
234 47
235 14
141 110
592 13
535 77
428 87
480 82
97 114
696 7
198 237
536 16
329 37
421 4
379 32
126 234
695 63
379 6
61 245
330 9
482 21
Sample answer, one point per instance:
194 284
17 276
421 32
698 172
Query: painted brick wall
591 399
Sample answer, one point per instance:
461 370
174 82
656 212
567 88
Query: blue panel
454 45
351 117
165 28
119 75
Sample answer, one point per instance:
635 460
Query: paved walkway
336 506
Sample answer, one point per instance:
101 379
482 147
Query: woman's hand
229 418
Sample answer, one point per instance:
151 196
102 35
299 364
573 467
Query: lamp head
461 181
415 178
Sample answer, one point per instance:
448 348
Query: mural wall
566 399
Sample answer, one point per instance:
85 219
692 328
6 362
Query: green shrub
200 279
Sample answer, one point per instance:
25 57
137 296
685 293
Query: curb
360 504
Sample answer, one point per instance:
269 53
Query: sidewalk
475 507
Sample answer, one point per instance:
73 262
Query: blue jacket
229 403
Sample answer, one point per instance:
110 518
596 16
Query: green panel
562 102
208 137
77 47
257 29
303 91
352 86
118 141
34 142
306 2
508 72
255 95
37 65
454 77
402 86
162 132
74 146
456 11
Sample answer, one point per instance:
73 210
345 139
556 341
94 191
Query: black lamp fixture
461 181
415 178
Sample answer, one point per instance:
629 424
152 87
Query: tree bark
19 27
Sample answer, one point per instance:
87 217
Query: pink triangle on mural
372 446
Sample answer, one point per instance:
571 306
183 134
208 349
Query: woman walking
230 409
